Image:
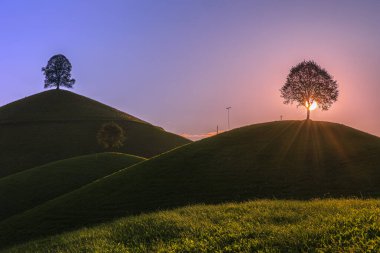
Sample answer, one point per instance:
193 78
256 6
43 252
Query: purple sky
178 64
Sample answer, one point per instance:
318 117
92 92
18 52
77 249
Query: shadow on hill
284 160
27 189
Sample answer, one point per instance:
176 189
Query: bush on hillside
111 136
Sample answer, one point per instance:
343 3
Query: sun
313 106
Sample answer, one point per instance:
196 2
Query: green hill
287 159
32 187
58 124
256 226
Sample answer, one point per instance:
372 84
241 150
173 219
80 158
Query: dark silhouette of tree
111 135
308 83
57 72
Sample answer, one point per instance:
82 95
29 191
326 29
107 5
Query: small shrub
111 135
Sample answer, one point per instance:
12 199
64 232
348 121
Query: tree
57 72
111 135
308 83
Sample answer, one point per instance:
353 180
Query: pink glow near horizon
179 64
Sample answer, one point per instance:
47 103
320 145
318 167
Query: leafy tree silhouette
111 135
307 83
57 72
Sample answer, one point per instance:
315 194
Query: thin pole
228 119
228 116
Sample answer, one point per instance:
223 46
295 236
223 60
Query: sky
179 63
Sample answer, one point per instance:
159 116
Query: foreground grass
267 225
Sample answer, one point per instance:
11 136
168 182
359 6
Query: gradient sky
178 64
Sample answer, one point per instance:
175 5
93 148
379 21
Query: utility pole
228 116
217 129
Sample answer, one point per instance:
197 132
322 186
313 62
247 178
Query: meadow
283 160
282 186
329 225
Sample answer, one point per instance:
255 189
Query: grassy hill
32 187
58 124
59 105
287 159
255 226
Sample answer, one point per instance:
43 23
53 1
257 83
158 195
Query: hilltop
287 160
59 105
59 124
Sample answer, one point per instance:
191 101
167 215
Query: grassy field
59 124
345 225
30 188
287 160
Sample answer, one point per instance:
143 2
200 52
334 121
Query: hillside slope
58 124
32 187
287 159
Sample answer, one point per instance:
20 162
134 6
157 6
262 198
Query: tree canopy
111 135
57 72
308 83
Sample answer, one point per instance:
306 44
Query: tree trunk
58 83
308 113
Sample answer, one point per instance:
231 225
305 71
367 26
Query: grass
59 124
27 189
287 160
59 105
346 225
